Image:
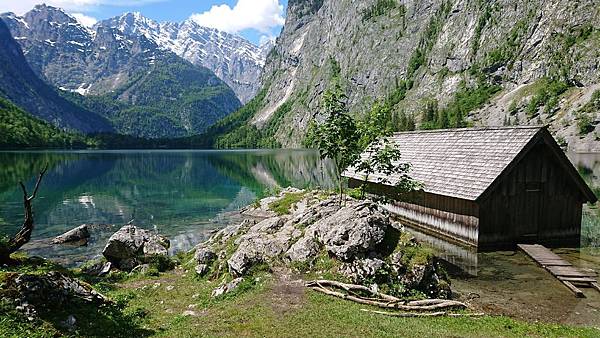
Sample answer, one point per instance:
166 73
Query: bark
382 300
429 314
24 234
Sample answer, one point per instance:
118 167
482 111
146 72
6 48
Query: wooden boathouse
487 187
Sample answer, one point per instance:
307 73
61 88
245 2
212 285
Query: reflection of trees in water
270 169
67 171
15 167
165 188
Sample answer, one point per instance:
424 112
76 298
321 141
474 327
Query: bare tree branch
24 234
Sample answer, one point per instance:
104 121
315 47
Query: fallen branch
383 301
351 288
429 314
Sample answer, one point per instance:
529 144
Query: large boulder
305 249
263 242
362 271
131 246
79 234
353 230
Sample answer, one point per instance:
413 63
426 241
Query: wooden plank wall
535 202
453 217
460 227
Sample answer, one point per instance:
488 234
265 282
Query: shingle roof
461 163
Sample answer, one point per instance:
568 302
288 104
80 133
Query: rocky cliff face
491 62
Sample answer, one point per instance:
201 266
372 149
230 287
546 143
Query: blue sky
253 19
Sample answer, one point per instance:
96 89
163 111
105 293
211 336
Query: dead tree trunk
24 235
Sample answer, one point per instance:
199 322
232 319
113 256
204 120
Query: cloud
261 15
85 20
22 6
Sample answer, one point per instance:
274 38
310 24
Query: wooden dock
561 269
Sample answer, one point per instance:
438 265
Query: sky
256 20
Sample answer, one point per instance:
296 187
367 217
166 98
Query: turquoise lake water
182 194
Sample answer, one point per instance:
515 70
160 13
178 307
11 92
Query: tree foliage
384 159
338 137
19 129
342 139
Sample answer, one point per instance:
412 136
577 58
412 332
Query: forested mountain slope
18 129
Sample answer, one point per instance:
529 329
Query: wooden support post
578 293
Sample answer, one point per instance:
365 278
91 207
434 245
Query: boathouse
487 187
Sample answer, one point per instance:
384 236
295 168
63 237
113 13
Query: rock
362 270
141 269
170 288
353 230
201 269
189 313
155 248
27 310
226 287
264 241
78 234
205 256
353 234
303 250
52 289
263 210
98 269
132 246
70 323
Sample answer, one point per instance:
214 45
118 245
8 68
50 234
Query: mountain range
147 79
232 58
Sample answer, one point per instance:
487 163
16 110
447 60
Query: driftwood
424 314
24 235
382 300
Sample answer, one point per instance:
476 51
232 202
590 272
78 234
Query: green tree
383 158
338 137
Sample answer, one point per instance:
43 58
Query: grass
256 312
284 205
263 306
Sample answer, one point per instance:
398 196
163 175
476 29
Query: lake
182 194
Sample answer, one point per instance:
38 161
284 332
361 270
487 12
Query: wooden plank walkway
561 269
